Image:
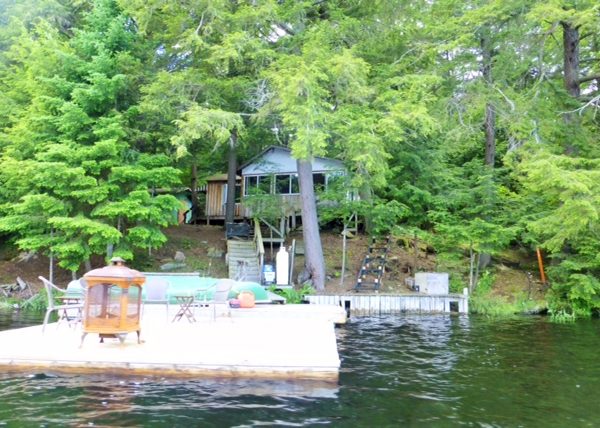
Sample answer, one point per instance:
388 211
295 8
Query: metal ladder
372 269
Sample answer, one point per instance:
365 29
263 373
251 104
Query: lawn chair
72 308
220 295
156 290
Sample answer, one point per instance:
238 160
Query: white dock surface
266 342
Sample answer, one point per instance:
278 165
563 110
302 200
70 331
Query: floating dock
268 341
380 303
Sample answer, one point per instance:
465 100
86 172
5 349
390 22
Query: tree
69 143
201 127
209 55
309 89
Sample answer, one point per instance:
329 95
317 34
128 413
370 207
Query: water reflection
14 318
57 399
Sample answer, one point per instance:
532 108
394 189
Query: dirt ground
205 248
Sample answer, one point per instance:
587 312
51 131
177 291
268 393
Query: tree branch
593 102
512 104
588 78
199 27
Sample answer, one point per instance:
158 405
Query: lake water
407 370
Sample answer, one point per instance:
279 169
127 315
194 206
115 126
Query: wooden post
51 268
292 256
416 254
344 233
541 265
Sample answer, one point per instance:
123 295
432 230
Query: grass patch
5 304
486 303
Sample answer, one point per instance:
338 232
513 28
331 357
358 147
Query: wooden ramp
298 343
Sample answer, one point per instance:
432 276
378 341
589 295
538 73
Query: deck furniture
220 295
70 308
186 304
112 301
156 290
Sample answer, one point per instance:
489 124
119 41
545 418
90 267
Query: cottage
272 172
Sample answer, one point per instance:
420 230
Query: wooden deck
269 341
379 303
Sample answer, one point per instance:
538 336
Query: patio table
185 302
71 314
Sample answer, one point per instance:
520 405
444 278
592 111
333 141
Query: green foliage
485 283
72 183
200 124
486 303
456 284
37 303
564 200
292 295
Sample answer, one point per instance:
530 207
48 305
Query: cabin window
294 184
257 184
319 181
282 184
286 184
238 192
264 184
250 185
335 180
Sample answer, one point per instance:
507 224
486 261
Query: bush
292 295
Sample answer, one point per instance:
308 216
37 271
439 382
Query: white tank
282 262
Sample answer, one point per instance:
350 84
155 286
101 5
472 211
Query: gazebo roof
115 271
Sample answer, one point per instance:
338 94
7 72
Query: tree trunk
471 268
366 195
571 78
490 135
490 112
489 125
315 263
231 179
194 190
571 59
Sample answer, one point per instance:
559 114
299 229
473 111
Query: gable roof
278 159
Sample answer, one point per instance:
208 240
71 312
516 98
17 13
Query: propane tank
282 262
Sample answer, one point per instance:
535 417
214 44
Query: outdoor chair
70 309
156 291
220 295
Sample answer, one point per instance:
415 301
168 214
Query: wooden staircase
246 257
243 260
372 269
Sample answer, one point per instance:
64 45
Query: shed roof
277 159
221 177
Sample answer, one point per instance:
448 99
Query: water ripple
396 370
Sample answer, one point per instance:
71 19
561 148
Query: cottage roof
277 159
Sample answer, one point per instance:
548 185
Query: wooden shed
216 198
